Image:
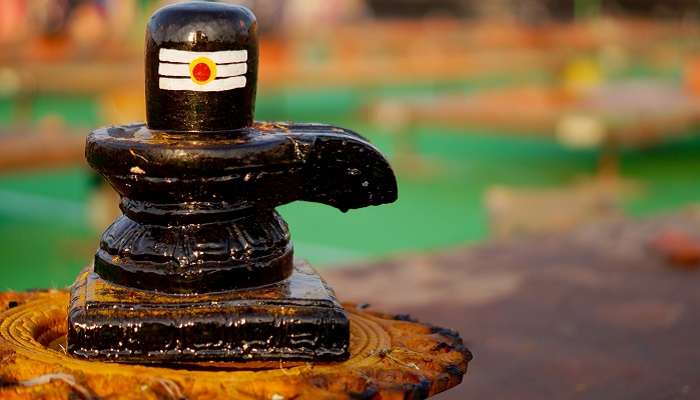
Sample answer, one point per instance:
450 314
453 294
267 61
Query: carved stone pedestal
297 318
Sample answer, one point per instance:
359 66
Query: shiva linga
200 266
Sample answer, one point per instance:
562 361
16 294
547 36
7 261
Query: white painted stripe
219 57
217 85
173 69
226 70
222 71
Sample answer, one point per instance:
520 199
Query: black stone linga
200 27
199 184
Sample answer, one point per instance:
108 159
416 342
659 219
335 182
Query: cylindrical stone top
201 67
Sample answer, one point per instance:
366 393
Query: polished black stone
199 208
298 318
201 27
200 266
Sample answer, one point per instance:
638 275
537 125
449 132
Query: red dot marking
201 72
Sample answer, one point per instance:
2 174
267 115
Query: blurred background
503 118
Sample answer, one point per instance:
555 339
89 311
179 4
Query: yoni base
296 319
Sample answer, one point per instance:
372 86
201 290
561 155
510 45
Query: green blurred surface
7 109
79 111
45 238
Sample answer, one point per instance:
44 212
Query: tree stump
392 357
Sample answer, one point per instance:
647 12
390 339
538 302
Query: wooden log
392 357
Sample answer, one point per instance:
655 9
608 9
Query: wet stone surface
201 266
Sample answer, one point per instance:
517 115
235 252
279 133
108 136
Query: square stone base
298 319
